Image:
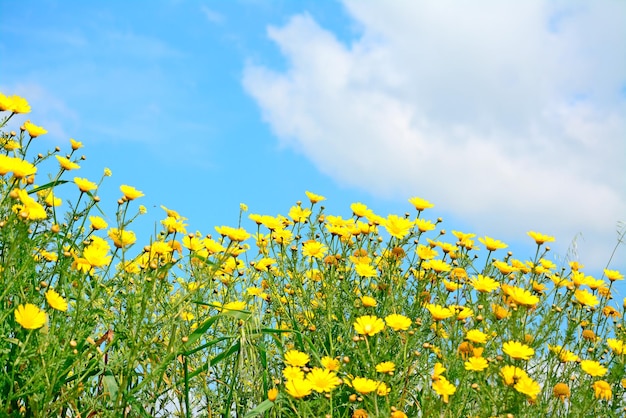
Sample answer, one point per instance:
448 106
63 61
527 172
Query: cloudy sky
509 116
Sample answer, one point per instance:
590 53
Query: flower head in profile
492 244
314 198
477 364
30 316
561 391
66 163
602 390
586 298
540 238
14 104
368 325
420 204
33 130
85 185
385 367
439 312
364 385
368 301
613 275
235 234
122 238
130 193
55 300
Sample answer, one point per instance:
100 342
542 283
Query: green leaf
47 186
260 408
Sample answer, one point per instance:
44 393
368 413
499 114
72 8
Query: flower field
305 315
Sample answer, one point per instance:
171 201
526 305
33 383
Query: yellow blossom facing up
33 130
512 374
484 284
586 298
443 388
314 198
298 388
617 346
296 358
613 275
369 325
66 164
593 368
420 204
528 387
476 336
293 372
130 193
602 390
368 301
122 238
85 185
492 244
520 296
398 322
55 300
398 414
540 238
385 367
439 312
364 385
517 350
365 270
323 380
477 364
30 316
314 249
397 226
298 214
330 363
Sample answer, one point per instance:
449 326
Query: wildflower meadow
310 314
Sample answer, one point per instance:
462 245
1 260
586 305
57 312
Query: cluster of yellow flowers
374 315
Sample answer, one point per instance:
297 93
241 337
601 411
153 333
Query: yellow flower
66 164
187 316
438 266
586 298
298 388
97 222
323 380
398 414
298 214
602 390
561 391
492 244
296 358
420 204
593 368
443 388
235 234
540 238
369 325
613 275
272 394
129 192
330 363
385 367
368 301
476 336
484 284
360 210
314 249
33 130
14 104
424 225
438 312
30 316
314 198
398 322
122 238
517 350
397 226
365 270
528 387
293 372
96 253
84 185
426 253
19 167
512 374
75 144
364 385
56 301
521 296
438 371
477 364
616 345
383 389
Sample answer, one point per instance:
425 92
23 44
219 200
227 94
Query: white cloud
510 114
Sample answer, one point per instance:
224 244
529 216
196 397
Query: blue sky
508 116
